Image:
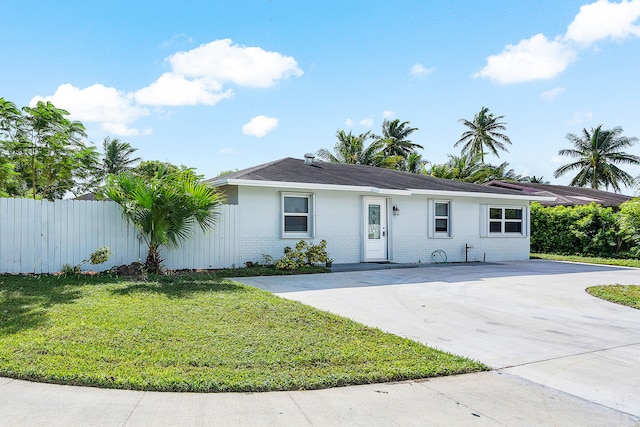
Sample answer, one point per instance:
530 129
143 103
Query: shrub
99 256
303 254
584 230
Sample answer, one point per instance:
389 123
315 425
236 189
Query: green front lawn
193 333
628 295
589 260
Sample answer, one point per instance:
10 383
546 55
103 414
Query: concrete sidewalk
483 399
561 357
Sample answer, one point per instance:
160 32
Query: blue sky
227 85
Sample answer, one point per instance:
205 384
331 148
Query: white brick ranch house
370 214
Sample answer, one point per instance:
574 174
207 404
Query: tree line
598 153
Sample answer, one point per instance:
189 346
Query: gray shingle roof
323 173
565 195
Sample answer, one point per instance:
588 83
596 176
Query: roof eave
449 193
310 186
376 190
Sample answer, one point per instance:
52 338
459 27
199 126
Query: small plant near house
304 254
99 256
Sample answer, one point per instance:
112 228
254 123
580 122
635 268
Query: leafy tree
164 208
149 169
117 156
597 153
46 150
10 181
352 149
484 132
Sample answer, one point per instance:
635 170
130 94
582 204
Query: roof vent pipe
308 158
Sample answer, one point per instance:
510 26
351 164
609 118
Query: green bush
303 254
586 230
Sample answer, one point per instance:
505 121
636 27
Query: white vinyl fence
38 236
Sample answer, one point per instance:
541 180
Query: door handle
384 233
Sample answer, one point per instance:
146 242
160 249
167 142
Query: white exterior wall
338 219
411 241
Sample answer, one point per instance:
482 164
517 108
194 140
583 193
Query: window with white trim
296 215
441 219
506 220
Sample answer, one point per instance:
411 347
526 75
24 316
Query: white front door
375 231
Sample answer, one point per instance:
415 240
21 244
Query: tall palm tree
396 143
352 149
165 208
598 153
117 156
484 132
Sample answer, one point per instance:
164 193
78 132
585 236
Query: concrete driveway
532 319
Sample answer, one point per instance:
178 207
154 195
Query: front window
505 220
296 216
441 218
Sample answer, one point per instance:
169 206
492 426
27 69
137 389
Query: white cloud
348 123
368 122
112 109
245 66
552 94
580 117
540 58
388 114
173 90
419 70
259 126
198 76
602 20
531 59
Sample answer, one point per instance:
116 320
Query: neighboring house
564 195
370 214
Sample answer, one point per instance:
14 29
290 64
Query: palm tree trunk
153 262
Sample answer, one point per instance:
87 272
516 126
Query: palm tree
597 153
534 179
483 133
165 208
497 173
117 156
465 167
395 142
351 149
415 164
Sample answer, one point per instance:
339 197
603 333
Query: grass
589 260
193 332
628 295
